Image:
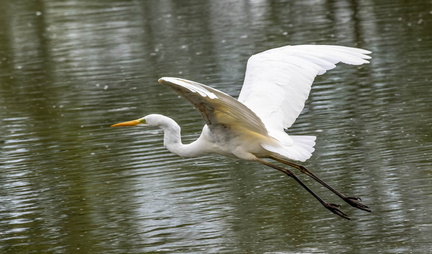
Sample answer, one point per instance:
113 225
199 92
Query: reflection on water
69 183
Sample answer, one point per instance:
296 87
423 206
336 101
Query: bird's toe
355 202
334 208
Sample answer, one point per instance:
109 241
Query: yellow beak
128 123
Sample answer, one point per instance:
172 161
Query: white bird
276 85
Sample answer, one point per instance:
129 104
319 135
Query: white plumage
276 86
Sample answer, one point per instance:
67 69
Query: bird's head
149 120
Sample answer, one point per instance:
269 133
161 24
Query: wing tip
191 86
168 79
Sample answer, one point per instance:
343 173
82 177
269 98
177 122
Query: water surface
69 183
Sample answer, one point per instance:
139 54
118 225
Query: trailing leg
334 208
353 201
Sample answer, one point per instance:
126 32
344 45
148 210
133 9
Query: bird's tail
300 150
304 146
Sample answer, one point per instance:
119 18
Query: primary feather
278 81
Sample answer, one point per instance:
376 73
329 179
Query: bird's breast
228 139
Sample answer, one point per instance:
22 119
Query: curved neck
172 140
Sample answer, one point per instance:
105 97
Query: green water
71 184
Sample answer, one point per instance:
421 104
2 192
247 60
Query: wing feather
216 107
278 81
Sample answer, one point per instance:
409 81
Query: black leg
353 201
334 208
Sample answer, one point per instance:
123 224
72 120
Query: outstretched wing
216 107
278 81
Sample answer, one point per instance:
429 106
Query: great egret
276 85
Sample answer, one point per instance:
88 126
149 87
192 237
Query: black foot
354 202
334 208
